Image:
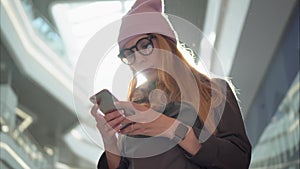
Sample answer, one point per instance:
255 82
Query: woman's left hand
146 121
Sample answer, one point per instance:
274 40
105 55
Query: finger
99 118
115 114
143 129
125 125
118 128
145 117
135 132
127 120
94 110
123 105
130 106
105 129
137 113
116 122
130 129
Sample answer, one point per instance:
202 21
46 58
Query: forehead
133 41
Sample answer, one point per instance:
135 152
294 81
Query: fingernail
122 111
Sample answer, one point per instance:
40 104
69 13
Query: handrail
26 142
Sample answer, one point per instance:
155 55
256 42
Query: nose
140 62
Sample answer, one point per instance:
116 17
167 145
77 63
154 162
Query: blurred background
257 42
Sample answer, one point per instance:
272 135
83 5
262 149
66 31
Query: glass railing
21 142
278 146
24 142
32 149
45 30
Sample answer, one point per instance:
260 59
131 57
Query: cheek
132 69
155 58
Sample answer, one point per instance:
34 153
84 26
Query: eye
127 53
147 46
142 44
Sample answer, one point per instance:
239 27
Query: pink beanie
145 16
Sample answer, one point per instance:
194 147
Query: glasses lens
145 46
127 52
128 57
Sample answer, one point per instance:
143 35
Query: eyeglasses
144 46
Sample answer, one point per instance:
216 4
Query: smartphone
105 99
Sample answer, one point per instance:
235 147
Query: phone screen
105 100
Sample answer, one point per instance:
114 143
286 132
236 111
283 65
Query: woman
169 110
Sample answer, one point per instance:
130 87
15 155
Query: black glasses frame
123 56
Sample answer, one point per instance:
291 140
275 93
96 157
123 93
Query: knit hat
145 16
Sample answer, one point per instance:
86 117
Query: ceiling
185 11
52 119
258 41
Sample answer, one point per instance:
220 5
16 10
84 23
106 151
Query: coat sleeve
102 163
229 148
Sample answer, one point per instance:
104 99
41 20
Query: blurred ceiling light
5 128
27 119
76 134
77 22
33 155
212 38
49 150
27 149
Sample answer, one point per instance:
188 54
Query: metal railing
19 141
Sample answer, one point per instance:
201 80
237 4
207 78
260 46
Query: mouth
146 71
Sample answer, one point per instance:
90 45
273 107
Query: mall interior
257 42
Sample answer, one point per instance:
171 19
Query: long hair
207 95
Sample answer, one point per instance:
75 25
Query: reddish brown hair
203 100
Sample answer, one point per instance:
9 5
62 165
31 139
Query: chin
149 73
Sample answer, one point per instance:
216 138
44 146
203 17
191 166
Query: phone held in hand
105 99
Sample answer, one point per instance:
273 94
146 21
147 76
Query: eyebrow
135 42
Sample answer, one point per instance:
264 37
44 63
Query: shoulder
228 90
226 86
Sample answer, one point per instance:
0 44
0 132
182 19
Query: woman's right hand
108 125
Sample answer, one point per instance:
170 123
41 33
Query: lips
147 71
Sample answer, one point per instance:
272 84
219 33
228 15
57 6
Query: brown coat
229 148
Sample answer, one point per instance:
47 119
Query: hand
108 125
146 121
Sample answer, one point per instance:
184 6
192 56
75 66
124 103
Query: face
140 52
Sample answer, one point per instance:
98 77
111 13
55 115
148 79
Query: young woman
168 114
